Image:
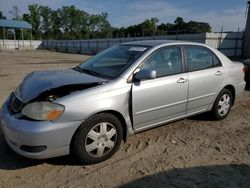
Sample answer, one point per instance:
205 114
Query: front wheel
222 104
97 139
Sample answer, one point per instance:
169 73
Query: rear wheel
97 139
222 104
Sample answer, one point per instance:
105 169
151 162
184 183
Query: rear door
164 98
205 75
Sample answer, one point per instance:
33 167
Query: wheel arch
121 119
113 112
232 89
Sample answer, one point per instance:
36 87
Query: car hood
40 81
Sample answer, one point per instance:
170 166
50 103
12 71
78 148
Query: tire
222 104
97 139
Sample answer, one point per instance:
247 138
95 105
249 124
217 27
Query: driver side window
165 61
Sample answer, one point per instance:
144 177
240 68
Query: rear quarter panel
236 75
233 72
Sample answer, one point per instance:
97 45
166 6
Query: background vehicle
88 110
247 70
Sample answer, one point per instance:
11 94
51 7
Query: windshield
113 61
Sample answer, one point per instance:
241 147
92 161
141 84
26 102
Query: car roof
153 43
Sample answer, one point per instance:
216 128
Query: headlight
43 110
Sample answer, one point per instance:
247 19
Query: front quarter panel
113 96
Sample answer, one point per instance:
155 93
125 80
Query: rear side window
199 58
216 61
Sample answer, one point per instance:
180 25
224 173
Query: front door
164 98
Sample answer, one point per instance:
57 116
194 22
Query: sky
229 14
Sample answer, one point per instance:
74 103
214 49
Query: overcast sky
227 13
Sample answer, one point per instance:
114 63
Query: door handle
181 80
218 73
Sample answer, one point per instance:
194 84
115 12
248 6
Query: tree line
69 22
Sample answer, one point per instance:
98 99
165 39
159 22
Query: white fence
231 44
94 46
228 43
19 44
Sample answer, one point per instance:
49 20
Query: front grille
15 104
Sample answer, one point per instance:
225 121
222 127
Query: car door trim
161 107
169 120
200 97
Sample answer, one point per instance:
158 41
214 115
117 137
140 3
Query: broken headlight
43 110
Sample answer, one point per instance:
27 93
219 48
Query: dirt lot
194 152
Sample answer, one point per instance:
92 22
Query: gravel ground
195 152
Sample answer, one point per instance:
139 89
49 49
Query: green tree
34 19
166 29
150 27
118 32
106 29
180 25
99 26
70 22
73 22
46 21
147 28
56 24
198 27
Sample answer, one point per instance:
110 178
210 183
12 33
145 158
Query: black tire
217 108
82 139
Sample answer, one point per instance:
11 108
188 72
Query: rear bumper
22 134
240 88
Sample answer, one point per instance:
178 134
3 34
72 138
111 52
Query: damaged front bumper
36 139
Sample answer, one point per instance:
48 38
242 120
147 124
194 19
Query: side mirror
145 75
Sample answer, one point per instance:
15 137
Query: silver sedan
88 110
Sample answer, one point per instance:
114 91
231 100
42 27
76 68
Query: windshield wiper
88 71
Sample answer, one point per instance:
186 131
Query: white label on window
138 49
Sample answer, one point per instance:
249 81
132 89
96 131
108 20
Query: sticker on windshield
138 49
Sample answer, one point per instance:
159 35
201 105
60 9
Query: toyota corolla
88 110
